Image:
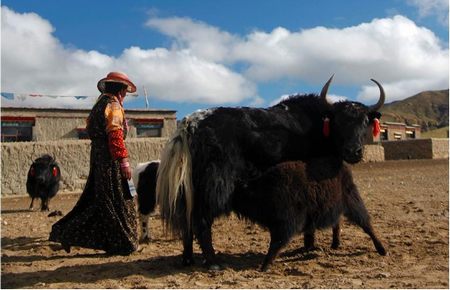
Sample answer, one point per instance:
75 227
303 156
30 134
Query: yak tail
174 190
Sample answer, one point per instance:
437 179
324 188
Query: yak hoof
66 248
214 267
381 250
335 246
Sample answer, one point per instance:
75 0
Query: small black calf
300 197
144 178
43 180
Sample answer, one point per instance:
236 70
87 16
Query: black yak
144 177
43 180
214 149
294 197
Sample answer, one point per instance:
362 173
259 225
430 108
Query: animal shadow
21 243
12 211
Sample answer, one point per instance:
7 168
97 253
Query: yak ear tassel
326 127
55 171
376 127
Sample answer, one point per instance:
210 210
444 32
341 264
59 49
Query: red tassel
326 127
376 127
55 171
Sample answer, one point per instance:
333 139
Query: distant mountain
428 109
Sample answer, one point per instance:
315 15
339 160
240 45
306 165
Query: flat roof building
47 124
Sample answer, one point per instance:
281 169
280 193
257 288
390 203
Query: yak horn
324 91
380 103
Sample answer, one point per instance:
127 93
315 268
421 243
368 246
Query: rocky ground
408 202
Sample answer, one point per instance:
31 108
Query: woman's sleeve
114 128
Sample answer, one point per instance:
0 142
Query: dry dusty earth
408 201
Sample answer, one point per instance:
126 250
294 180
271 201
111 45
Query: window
410 134
397 136
383 134
148 127
17 129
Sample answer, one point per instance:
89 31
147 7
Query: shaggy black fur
230 146
296 197
237 144
144 178
145 189
43 180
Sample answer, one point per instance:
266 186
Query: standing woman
104 217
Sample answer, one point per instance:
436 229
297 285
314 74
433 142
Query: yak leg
188 251
309 239
145 231
376 242
278 240
204 237
44 204
31 204
336 235
357 213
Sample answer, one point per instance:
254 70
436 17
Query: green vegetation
436 133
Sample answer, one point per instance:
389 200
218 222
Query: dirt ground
408 202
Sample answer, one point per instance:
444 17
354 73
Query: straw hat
117 77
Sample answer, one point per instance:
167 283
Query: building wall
373 153
57 124
416 149
394 130
440 148
55 128
71 155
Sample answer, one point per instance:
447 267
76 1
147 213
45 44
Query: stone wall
416 149
440 148
373 153
72 156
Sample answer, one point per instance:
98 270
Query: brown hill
428 109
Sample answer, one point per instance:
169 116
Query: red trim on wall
148 120
18 119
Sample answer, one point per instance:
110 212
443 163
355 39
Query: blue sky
192 55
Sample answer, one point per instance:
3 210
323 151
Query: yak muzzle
353 155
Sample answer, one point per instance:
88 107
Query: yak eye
32 171
55 171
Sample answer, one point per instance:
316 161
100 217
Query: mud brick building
39 124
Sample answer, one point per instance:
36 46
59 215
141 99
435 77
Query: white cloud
23 100
205 64
178 75
203 40
393 50
432 8
34 61
401 89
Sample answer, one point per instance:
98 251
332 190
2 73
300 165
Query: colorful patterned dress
104 217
